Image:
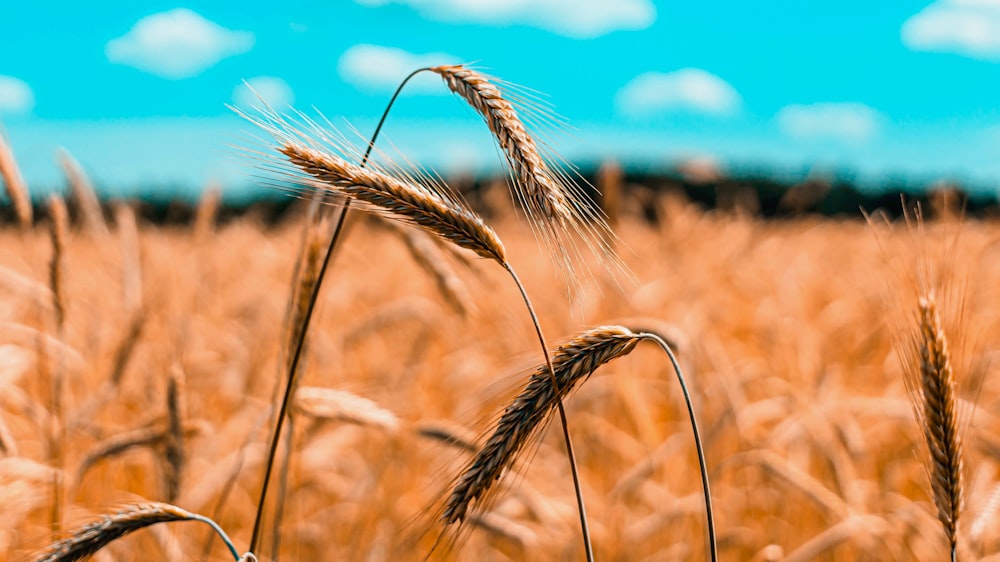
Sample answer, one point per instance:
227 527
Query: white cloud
850 122
372 67
176 44
582 19
273 91
965 27
15 96
688 89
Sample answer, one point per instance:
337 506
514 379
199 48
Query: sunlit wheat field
174 340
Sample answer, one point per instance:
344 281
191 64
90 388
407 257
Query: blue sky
137 91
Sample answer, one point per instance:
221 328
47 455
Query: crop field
147 370
391 372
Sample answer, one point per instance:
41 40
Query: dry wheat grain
572 362
17 190
83 193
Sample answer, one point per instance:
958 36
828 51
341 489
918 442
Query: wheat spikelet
83 193
339 405
90 538
307 275
938 416
59 232
173 446
128 231
555 207
402 200
572 362
207 212
542 192
17 190
123 352
8 445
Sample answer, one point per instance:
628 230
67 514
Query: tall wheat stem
581 508
697 438
306 319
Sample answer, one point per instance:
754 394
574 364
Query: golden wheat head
557 208
938 415
17 190
90 538
572 362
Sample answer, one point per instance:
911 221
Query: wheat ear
90 538
937 412
405 201
83 193
542 192
173 446
207 213
572 362
17 190
342 406
305 283
554 205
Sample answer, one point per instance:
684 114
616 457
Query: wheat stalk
17 190
59 232
90 538
128 230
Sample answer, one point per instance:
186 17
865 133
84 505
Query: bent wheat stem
306 319
581 507
655 338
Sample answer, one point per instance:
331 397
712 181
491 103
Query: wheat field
173 340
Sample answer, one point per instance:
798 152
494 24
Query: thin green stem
306 319
222 534
697 439
581 508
